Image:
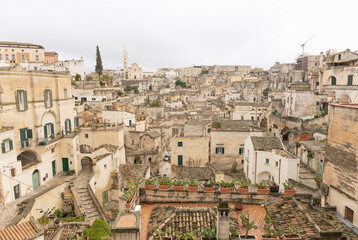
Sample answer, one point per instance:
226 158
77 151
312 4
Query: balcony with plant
178 185
262 188
193 185
150 183
164 183
209 186
244 185
290 187
226 187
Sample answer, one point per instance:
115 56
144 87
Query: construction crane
303 45
303 49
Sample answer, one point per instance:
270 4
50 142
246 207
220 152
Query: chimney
223 221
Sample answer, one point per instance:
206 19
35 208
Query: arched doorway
86 163
28 158
35 179
344 98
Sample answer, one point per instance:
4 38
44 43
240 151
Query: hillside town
199 152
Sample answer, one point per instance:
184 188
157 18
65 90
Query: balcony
56 138
26 144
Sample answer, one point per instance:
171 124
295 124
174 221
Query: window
333 81
317 83
348 214
252 117
180 144
37 58
86 135
49 130
67 126
242 117
350 80
6 56
267 161
13 57
242 161
0 57
149 159
317 103
76 121
65 93
276 164
48 98
220 150
25 135
6 146
21 100
17 191
105 166
339 56
104 197
132 142
22 57
241 151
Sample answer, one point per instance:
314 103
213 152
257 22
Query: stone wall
319 125
341 162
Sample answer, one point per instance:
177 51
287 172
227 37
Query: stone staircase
85 203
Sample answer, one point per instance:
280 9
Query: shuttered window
21 100
241 151
350 80
49 130
333 81
7 146
25 135
180 144
219 150
48 98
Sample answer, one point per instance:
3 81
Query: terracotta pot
242 190
178 188
248 237
149 187
296 237
163 187
209 189
193 189
239 206
263 191
265 238
225 190
128 205
290 191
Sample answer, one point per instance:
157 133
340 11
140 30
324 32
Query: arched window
333 81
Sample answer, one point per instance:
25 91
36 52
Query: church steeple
125 59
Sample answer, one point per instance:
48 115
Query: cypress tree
99 67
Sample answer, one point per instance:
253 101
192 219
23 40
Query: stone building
228 142
41 143
21 52
267 160
250 111
341 162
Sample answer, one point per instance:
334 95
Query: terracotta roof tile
18 232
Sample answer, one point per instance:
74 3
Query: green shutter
29 133
66 127
223 151
45 131
52 129
11 145
334 81
240 151
22 134
69 124
216 150
350 79
3 147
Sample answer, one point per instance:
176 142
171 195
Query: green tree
99 66
78 77
98 230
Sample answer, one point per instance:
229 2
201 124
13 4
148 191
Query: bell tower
125 59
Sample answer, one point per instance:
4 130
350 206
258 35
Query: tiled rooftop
199 173
266 143
18 232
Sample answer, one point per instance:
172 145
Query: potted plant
129 196
233 233
193 185
178 185
150 184
245 218
225 187
52 136
244 185
290 188
268 220
160 235
164 183
262 188
186 236
293 233
272 234
208 234
58 133
209 186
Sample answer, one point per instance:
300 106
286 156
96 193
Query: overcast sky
179 33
